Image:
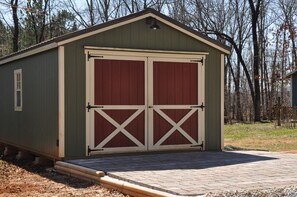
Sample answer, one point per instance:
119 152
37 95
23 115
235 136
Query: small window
18 90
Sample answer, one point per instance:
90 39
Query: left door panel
117 106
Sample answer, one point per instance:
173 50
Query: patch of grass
263 136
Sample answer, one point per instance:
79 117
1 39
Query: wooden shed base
106 181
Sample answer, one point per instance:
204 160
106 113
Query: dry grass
23 179
261 136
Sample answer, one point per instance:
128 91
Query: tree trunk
283 64
41 35
256 74
273 80
239 115
15 38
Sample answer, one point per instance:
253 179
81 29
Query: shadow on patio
168 161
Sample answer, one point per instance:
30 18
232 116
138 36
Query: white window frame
18 87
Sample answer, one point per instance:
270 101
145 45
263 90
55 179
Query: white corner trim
29 53
61 82
222 100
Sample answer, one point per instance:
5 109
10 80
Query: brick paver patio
195 173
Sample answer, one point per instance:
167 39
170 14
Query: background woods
261 33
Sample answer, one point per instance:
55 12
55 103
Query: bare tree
289 11
91 12
255 11
15 29
12 7
36 13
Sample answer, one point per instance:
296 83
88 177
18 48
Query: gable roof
149 12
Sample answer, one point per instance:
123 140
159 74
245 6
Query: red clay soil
22 178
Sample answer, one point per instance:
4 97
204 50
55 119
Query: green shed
143 82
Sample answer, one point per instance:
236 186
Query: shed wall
294 90
35 128
136 35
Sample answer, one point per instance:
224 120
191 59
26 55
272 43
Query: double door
144 103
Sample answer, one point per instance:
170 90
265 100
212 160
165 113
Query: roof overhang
28 52
290 74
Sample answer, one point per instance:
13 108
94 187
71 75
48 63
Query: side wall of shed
35 128
136 35
294 90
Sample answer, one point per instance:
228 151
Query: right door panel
174 99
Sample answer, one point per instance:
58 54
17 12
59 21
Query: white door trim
123 52
148 57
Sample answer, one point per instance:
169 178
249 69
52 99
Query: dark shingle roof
116 21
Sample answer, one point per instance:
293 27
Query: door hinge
91 107
196 61
91 150
198 145
90 56
202 106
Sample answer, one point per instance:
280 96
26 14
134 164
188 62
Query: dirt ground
22 178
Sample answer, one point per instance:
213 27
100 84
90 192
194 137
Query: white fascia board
103 29
29 53
140 18
192 35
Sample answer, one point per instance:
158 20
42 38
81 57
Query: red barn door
139 103
175 104
118 105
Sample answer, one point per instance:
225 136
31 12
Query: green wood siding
136 35
35 128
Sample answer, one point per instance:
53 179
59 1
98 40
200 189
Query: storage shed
143 82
